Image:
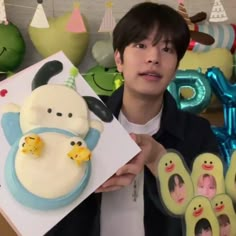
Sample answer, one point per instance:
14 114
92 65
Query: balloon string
14 5
53 8
106 74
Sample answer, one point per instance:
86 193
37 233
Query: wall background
20 12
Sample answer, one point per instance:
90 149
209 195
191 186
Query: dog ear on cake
98 108
48 70
52 68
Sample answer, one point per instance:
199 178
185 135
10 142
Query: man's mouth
180 200
151 75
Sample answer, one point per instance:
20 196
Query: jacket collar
171 122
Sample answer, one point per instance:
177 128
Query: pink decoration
76 23
181 1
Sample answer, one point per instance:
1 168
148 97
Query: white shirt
122 213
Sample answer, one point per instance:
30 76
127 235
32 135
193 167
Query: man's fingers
123 180
108 189
139 138
133 169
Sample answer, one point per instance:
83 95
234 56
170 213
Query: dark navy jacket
189 134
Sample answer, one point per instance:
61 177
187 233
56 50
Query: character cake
52 138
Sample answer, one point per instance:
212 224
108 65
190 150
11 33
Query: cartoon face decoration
55 106
104 81
200 218
230 178
224 210
207 175
12 47
175 184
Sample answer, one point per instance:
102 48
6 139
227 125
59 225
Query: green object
104 81
12 47
49 41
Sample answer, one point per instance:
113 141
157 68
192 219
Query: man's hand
151 152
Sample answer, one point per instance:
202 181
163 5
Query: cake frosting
51 137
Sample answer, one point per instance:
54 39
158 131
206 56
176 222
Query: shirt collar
172 121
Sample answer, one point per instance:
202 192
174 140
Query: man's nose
153 56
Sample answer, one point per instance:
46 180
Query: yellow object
217 57
32 144
199 213
175 185
207 175
230 178
109 4
79 154
224 210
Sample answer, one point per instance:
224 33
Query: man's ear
118 61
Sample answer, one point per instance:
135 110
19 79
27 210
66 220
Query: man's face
147 68
179 192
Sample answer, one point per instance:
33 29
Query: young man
207 186
177 188
149 41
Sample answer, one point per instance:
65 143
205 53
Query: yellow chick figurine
224 210
230 178
79 153
175 185
32 144
207 175
200 218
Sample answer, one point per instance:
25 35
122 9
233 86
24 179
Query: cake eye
72 143
200 205
205 162
70 115
221 202
170 162
49 110
194 208
166 164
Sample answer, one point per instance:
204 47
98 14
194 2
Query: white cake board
114 149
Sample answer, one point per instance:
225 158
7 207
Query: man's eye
140 45
166 49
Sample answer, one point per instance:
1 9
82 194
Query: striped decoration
108 21
224 35
183 12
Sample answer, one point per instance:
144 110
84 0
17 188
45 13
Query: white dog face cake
52 138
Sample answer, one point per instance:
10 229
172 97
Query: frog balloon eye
70 115
49 110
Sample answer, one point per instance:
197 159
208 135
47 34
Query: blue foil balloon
226 93
198 83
